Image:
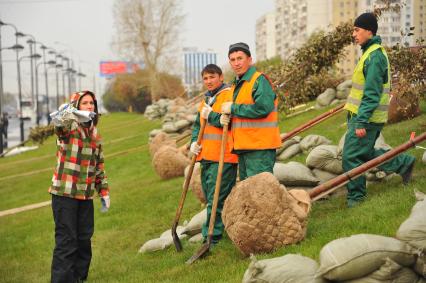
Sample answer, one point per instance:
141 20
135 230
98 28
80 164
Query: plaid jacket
80 163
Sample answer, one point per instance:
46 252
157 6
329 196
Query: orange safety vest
259 133
212 137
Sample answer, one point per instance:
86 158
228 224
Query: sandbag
323 176
294 174
195 183
311 141
158 141
261 216
286 144
289 152
168 162
181 124
195 224
290 268
420 265
325 157
198 238
169 127
326 97
154 245
413 229
389 272
358 255
167 235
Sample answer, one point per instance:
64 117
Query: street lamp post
80 75
21 119
58 66
1 98
46 89
17 48
32 44
50 63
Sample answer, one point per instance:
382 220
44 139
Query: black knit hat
367 21
240 46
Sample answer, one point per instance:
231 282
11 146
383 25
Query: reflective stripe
386 90
241 124
212 137
357 102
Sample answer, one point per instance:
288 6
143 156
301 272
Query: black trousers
74 225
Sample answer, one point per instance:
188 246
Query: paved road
14 133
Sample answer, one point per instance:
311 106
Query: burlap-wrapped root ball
158 141
168 162
195 184
261 216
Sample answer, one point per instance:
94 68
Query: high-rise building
265 37
343 11
419 21
296 20
393 23
194 62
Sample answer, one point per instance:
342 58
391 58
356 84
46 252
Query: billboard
109 69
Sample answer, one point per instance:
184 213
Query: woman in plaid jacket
78 174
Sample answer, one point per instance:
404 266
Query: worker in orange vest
254 115
209 151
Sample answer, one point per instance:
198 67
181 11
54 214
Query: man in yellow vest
367 106
254 115
209 151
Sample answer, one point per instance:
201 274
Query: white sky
83 29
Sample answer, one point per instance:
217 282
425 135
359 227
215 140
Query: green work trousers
256 161
358 151
208 181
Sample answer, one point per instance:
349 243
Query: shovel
175 237
206 247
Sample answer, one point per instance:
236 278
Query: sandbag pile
360 255
288 268
296 145
178 115
361 258
413 231
260 215
157 109
190 229
289 148
195 183
334 96
169 162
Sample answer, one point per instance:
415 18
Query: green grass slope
143 206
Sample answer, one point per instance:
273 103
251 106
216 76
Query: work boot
408 174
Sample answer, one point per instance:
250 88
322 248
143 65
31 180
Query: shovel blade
202 252
176 240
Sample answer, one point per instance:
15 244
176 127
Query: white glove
195 148
205 111
225 119
226 107
105 202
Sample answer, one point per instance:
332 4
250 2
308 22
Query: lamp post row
34 56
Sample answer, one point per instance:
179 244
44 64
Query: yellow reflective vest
380 114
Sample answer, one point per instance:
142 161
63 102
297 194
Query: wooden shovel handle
218 180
